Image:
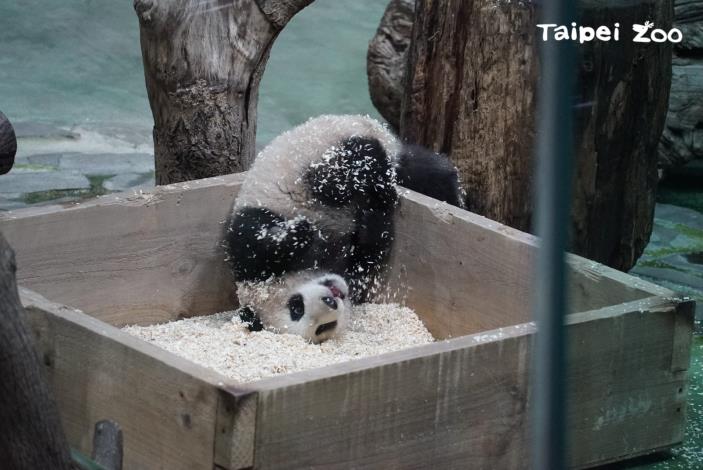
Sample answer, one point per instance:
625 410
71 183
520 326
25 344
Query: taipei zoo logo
642 33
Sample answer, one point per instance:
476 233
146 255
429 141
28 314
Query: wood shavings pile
221 342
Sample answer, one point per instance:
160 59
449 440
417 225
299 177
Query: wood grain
457 402
126 259
203 62
471 92
461 272
235 428
387 59
627 372
280 12
464 273
454 404
166 406
464 403
31 435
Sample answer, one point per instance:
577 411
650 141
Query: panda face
310 304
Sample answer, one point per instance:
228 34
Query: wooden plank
139 258
454 404
168 408
156 257
235 429
463 403
480 272
628 370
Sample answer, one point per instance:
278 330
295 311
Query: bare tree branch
280 12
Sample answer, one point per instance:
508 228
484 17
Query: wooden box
462 402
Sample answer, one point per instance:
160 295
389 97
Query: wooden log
462 100
623 97
31 435
682 139
8 145
387 58
203 61
471 89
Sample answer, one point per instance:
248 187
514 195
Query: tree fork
203 62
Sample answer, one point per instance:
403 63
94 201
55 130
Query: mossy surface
96 189
32 167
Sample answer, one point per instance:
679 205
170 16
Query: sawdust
222 343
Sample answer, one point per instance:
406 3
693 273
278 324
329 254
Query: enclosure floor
223 343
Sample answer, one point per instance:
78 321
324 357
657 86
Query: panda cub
312 226
311 304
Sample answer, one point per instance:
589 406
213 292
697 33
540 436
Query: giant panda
312 225
309 303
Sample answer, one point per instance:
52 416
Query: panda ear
249 317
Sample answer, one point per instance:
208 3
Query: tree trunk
387 58
623 100
471 93
203 61
31 436
682 140
8 145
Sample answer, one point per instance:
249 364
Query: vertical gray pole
553 182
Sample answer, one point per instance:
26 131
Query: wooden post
470 92
31 435
387 57
8 145
682 138
203 61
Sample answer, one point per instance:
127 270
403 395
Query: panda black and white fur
317 205
311 304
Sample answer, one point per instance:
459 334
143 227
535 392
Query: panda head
311 304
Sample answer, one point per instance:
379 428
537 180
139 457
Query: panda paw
249 318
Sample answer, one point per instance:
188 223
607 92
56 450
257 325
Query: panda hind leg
429 173
372 244
261 243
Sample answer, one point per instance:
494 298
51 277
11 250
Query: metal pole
553 180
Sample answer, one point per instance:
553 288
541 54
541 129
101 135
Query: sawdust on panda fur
221 342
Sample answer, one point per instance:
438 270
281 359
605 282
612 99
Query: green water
77 64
